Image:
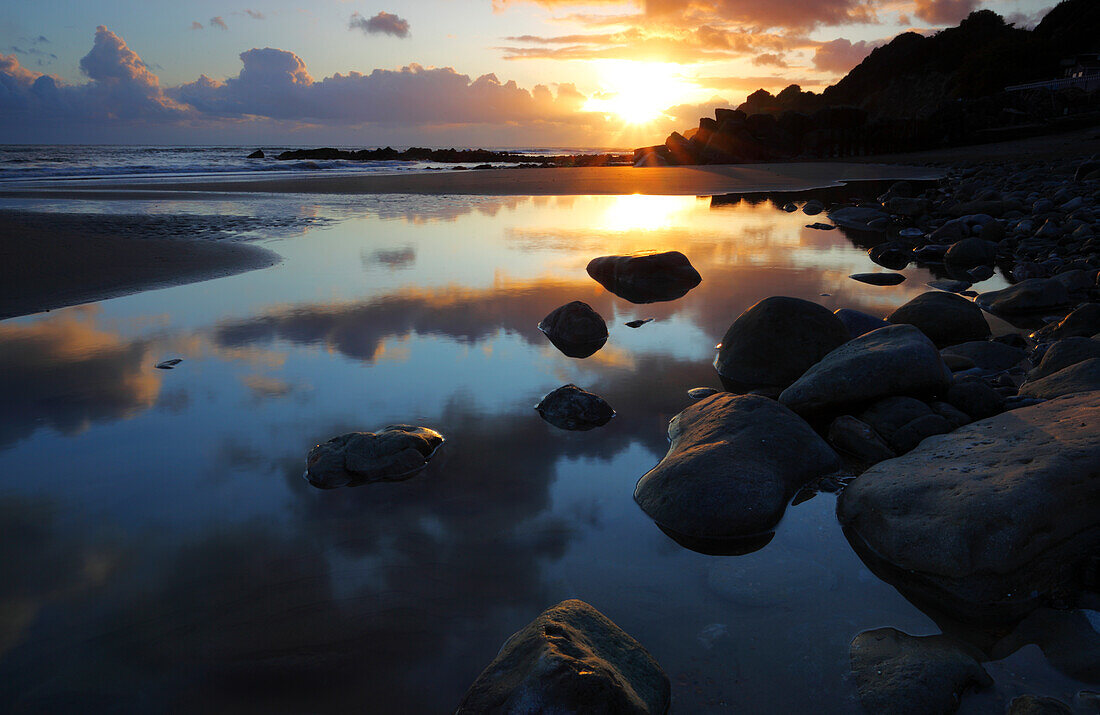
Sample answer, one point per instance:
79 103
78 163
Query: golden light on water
638 212
639 92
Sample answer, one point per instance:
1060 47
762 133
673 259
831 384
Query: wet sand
50 260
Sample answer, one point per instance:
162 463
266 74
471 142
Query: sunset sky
492 73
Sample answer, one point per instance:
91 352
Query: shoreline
55 260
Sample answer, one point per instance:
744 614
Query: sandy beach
50 260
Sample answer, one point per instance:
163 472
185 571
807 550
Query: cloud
218 22
944 12
254 14
841 55
1027 21
196 25
383 23
769 58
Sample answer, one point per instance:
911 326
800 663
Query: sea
41 163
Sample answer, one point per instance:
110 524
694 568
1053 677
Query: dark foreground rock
734 463
1064 353
896 360
645 278
1034 294
879 279
1083 376
989 520
988 355
392 454
1083 322
775 341
571 659
900 674
571 408
858 322
946 318
856 438
1037 705
575 329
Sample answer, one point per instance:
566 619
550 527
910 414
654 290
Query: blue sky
653 63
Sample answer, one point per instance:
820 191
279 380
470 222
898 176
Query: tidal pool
161 551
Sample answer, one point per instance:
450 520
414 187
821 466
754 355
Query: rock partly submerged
571 659
879 279
775 341
1033 294
392 454
900 674
645 277
733 464
575 329
989 520
571 408
896 360
946 318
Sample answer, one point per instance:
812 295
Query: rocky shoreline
484 158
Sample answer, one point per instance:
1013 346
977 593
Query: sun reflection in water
637 212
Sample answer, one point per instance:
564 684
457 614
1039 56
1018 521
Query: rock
647 277
890 414
1083 376
790 207
638 323
856 438
1082 322
955 363
896 360
168 364
951 286
900 674
571 408
698 393
892 255
733 464
913 433
571 659
985 521
821 226
955 417
258 154
1026 296
773 342
975 398
971 252
1085 169
1076 281
946 318
860 218
1036 705
906 206
987 354
813 207
931 252
1064 353
575 329
980 273
858 323
878 279
393 454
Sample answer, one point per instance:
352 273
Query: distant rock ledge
456 156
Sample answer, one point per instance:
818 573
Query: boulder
258 154
575 329
813 207
986 521
571 659
900 674
856 438
946 318
1026 296
987 354
645 278
971 252
858 322
906 206
733 464
975 398
890 414
571 408
393 454
1082 322
776 340
949 285
878 279
860 218
891 254
1064 353
1083 376
896 360
1037 705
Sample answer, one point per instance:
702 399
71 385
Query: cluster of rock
446 156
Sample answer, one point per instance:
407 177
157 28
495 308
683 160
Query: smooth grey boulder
987 354
1083 376
571 659
858 322
991 518
392 454
775 341
1064 353
1025 297
856 438
1082 322
733 464
575 329
645 277
900 674
571 408
946 318
896 360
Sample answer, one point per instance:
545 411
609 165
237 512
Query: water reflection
174 558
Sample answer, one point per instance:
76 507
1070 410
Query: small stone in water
698 393
638 323
168 364
910 232
821 226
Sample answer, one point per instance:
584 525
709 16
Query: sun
639 92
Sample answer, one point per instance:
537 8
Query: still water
161 551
